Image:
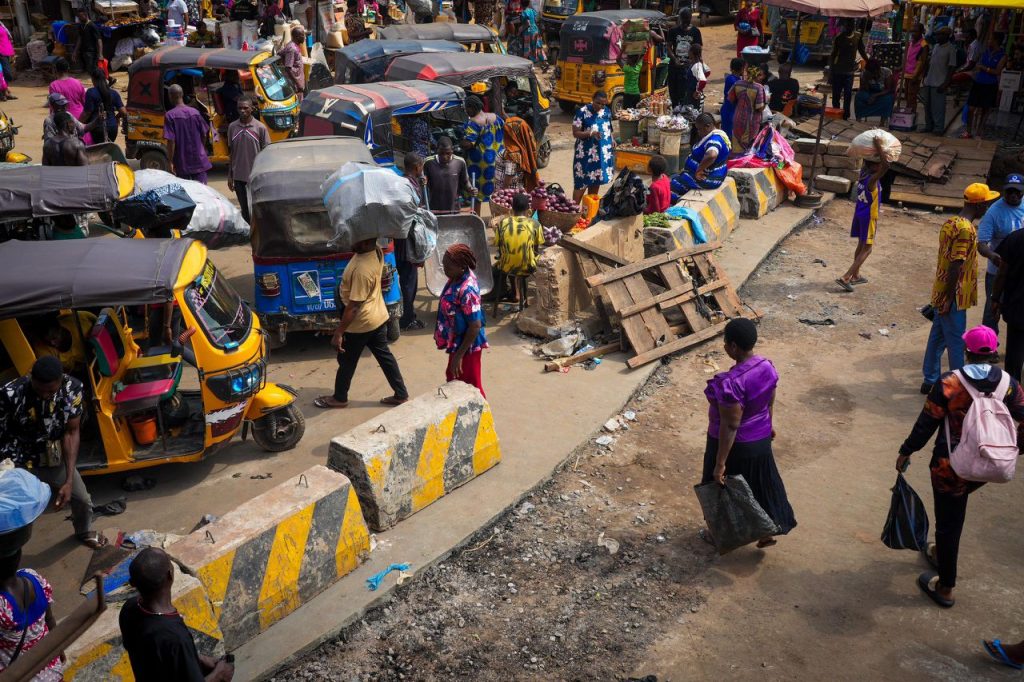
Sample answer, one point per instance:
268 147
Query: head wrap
461 256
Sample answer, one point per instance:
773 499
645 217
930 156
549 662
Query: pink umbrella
857 9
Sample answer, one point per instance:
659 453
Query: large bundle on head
369 202
863 146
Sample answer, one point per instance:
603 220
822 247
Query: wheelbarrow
105 152
465 228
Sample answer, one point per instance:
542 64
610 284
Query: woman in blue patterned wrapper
705 166
593 162
484 143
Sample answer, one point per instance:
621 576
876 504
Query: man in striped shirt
246 138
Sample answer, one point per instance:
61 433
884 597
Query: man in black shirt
784 89
158 642
89 47
843 65
678 41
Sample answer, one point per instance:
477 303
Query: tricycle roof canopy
837 8
459 33
38 191
293 170
185 57
460 68
343 103
367 50
617 16
38 277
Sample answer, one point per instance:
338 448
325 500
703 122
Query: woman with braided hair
705 166
460 318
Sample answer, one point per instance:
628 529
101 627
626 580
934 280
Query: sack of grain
863 146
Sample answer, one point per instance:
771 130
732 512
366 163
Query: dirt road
535 597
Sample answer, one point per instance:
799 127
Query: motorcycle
7 132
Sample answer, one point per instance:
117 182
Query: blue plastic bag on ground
906 527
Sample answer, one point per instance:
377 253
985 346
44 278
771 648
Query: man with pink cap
947 405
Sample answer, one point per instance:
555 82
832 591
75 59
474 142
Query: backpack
987 450
626 197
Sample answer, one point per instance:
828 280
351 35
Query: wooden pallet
646 295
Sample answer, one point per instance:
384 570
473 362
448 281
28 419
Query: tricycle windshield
273 81
225 319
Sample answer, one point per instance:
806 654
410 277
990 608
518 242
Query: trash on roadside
604 441
612 424
611 544
561 347
817 322
525 508
261 477
883 332
821 261
374 581
403 576
630 415
865 335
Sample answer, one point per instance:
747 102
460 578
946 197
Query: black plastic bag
906 527
626 197
733 515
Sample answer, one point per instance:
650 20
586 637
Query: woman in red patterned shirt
25 615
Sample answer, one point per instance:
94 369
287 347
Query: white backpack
987 450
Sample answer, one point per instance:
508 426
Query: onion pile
503 197
556 201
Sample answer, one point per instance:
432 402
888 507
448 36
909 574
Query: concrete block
719 209
265 558
807 145
832 183
838 147
410 456
562 295
757 191
842 162
851 175
99 655
806 160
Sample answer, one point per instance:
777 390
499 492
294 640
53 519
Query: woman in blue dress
484 143
705 166
736 66
532 41
594 159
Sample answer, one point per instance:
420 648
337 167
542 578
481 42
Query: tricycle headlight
281 121
237 384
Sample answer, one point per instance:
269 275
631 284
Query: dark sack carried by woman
733 515
906 527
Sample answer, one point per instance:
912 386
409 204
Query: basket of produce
539 197
501 200
560 211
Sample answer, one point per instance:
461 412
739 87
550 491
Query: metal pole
817 143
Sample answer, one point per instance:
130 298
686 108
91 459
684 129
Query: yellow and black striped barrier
759 191
264 559
412 455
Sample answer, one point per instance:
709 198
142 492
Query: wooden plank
647 263
674 278
589 265
728 302
577 246
633 327
925 199
653 320
558 364
682 343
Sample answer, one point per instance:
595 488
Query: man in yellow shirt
518 238
364 321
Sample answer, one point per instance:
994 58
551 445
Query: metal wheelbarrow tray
465 228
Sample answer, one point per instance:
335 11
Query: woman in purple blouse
740 426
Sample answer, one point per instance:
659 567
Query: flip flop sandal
929 555
322 403
392 401
995 650
769 542
859 280
846 286
93 540
928 581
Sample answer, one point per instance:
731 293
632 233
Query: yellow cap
979 193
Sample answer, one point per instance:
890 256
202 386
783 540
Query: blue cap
1014 181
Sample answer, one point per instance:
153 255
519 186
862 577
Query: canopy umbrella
854 9
990 4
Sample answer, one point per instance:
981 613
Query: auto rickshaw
586 61
371 113
296 269
502 72
814 35
201 72
47 202
366 61
7 132
473 37
139 412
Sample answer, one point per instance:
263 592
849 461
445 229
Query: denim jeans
988 319
934 110
946 335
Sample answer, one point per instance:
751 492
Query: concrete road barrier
99 656
410 456
719 209
264 559
759 191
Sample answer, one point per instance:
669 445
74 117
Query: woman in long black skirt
740 426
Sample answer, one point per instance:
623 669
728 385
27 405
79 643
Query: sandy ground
536 597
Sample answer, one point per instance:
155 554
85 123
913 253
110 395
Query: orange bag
792 177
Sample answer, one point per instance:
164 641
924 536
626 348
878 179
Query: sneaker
926 388
414 325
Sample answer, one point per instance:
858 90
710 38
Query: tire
154 160
544 154
394 329
566 106
280 430
617 104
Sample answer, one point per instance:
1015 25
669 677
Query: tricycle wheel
617 104
544 154
154 160
567 106
280 430
394 329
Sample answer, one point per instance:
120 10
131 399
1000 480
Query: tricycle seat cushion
152 389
